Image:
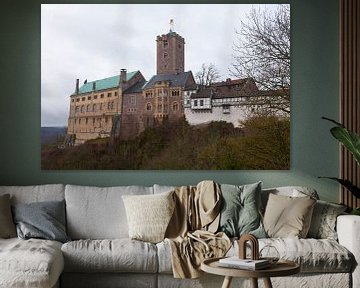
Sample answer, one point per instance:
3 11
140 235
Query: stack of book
248 264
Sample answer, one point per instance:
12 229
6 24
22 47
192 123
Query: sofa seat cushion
313 255
30 263
115 255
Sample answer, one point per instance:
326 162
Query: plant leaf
347 184
348 138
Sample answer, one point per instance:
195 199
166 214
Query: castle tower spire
171 25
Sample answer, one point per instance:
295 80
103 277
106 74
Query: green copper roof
105 83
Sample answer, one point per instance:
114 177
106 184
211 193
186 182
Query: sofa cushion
117 255
149 215
30 263
287 216
240 210
37 193
313 255
323 222
291 191
98 213
43 220
7 226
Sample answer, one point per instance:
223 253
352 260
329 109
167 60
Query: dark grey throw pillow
240 213
44 220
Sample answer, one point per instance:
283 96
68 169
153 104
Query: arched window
94 108
175 106
88 108
82 108
148 107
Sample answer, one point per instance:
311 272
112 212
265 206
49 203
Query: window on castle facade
87 120
148 107
101 106
195 102
175 93
109 105
148 94
175 106
132 100
83 99
101 95
88 108
77 109
201 102
165 44
109 94
77 99
93 120
82 109
89 97
94 108
72 100
115 93
95 97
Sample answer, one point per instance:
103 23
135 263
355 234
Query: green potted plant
351 141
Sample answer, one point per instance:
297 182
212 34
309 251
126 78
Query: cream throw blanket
191 231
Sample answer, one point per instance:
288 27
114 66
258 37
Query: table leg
227 282
267 283
254 282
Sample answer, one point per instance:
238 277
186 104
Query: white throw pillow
149 215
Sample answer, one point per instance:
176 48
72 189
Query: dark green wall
314 93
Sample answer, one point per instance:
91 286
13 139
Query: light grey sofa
101 254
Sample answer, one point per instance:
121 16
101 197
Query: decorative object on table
254 246
351 141
241 261
269 253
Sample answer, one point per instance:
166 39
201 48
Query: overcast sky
95 41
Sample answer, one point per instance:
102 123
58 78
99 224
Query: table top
281 268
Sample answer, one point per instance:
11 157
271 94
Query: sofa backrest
36 193
98 212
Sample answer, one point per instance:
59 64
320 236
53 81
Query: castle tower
170 52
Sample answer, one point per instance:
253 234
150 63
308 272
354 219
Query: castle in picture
125 104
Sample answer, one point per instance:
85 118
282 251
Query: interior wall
314 92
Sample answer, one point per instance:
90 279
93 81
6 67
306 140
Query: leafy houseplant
351 141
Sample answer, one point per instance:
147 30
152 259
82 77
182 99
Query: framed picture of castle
183 92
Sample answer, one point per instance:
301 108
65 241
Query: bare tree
207 75
262 52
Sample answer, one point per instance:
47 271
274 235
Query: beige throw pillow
288 217
7 226
149 215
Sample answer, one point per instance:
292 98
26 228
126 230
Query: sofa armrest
348 230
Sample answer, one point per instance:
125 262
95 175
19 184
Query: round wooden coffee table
281 268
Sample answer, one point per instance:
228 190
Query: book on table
249 264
